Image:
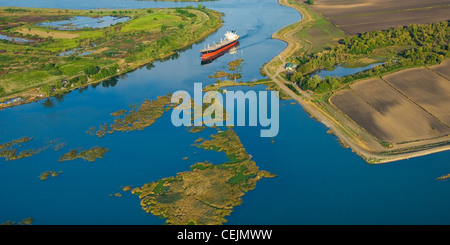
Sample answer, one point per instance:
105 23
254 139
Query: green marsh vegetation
234 73
46 174
233 66
149 35
231 83
138 117
141 116
88 155
27 221
10 150
444 177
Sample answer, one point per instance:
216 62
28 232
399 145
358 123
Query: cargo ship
216 50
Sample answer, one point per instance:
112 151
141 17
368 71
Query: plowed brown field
425 88
406 106
369 15
442 69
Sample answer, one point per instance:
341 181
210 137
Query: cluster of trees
15 10
92 72
428 45
122 12
106 72
185 13
52 68
78 81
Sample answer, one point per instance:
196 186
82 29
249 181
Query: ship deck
217 46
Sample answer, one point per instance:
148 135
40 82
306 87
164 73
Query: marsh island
88 155
207 193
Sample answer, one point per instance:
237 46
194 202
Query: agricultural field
371 15
427 89
406 106
443 69
387 114
319 32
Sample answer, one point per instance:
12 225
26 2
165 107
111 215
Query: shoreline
349 133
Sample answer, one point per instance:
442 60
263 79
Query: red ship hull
218 52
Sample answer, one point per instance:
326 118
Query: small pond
341 71
74 51
15 39
80 22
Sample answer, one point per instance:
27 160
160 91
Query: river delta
302 176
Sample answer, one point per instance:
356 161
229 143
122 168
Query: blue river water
341 71
80 22
318 181
15 39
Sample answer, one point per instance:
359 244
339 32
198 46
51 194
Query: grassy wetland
46 174
138 117
58 58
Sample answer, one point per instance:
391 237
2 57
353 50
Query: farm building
290 67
